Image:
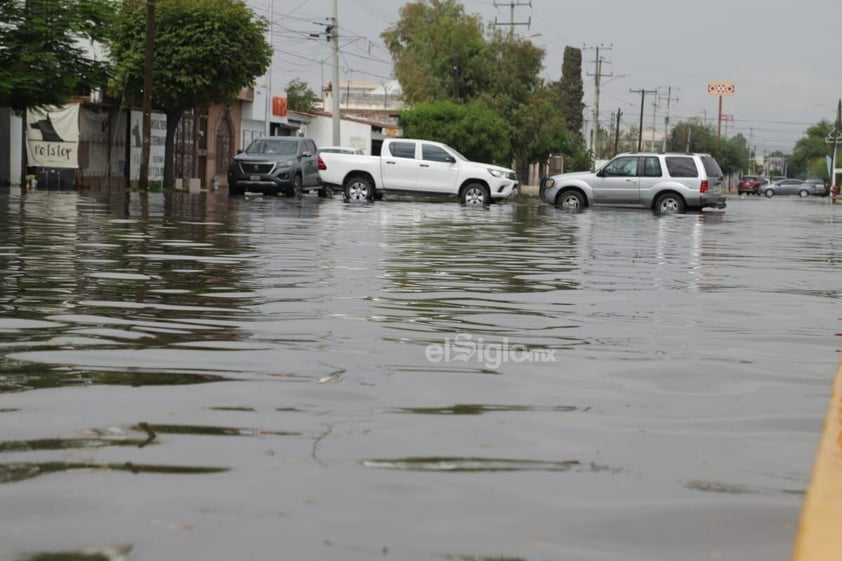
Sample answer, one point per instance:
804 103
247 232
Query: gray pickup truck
275 165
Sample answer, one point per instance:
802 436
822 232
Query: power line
668 98
597 77
512 23
642 93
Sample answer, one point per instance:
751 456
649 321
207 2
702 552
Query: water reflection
457 464
30 376
11 473
478 409
675 356
93 553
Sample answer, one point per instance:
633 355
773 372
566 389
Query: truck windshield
458 155
273 146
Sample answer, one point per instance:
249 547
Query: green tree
441 53
539 131
299 96
510 68
732 154
808 156
205 52
693 136
437 51
44 54
473 129
571 89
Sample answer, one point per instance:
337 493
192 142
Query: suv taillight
703 188
322 165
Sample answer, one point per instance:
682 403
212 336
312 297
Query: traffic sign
834 137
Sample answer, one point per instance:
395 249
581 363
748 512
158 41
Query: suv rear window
681 166
712 168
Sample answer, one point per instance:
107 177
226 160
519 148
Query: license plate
254 178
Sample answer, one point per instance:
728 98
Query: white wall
256 110
351 133
249 130
10 168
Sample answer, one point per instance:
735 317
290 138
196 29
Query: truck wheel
475 194
359 189
297 186
570 200
669 203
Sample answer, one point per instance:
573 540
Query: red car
751 185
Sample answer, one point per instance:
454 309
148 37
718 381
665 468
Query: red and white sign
721 88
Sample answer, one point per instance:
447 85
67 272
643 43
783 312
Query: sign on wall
157 146
52 137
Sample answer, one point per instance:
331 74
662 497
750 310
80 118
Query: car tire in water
358 189
570 200
297 186
803 193
475 194
769 193
669 203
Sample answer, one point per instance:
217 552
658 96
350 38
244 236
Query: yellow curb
819 535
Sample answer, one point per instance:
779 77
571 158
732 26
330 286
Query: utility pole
512 23
268 124
667 117
617 131
834 138
336 109
331 34
750 155
598 75
146 142
642 98
654 120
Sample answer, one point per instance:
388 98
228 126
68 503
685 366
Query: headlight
548 183
496 172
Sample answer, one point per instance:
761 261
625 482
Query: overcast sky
784 62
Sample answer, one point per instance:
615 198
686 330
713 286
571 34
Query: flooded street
196 377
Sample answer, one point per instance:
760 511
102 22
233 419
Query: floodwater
198 377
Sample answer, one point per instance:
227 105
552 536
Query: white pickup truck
416 166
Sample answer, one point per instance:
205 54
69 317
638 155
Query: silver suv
666 183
